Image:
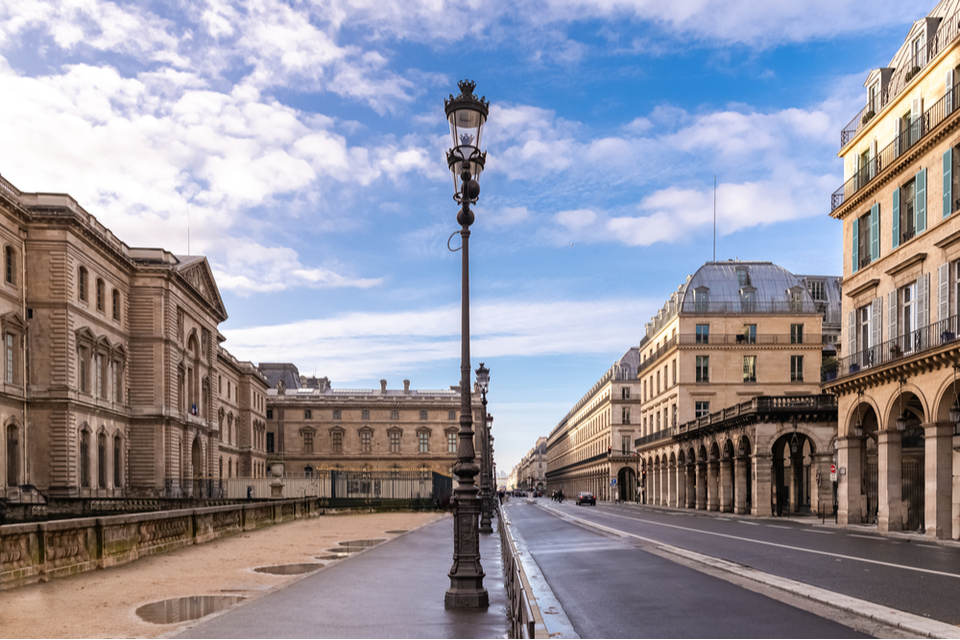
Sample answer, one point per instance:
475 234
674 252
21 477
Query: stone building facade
899 450
592 445
111 359
730 371
532 468
312 427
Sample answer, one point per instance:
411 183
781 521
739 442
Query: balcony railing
761 404
921 127
8 188
657 436
947 32
714 339
669 344
903 346
740 306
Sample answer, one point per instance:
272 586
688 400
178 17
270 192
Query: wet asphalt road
611 587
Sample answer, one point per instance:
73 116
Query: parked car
585 497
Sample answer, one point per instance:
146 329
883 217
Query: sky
300 147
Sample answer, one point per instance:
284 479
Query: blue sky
302 144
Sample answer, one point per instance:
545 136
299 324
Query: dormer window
873 97
748 299
743 276
701 296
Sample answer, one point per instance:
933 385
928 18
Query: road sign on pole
613 482
833 473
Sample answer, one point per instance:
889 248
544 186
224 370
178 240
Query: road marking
752 524
857 535
777 526
819 531
763 542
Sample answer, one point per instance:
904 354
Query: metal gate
911 487
871 478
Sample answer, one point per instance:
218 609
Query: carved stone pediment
199 276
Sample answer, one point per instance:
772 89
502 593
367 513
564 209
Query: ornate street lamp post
466 115
483 385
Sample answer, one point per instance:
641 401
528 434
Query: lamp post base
466 576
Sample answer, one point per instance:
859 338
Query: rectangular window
748 301
658 421
625 415
307 414
796 301
337 442
702 409
702 301
673 415
864 243
365 414
394 414
308 442
818 290
336 414
749 368
743 277
366 442
673 370
703 334
423 415
270 447
703 369
624 445
269 414
625 393
908 315
8 263
796 334
8 342
796 368
749 334
394 442
424 442
451 415
452 442
908 211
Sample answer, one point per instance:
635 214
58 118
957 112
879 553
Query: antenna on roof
714 218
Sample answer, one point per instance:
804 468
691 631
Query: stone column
663 483
726 485
692 490
713 500
680 478
824 491
762 471
740 485
938 479
702 485
848 486
889 489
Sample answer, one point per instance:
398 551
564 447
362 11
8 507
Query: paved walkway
393 590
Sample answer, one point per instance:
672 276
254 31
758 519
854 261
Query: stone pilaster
890 477
848 488
691 479
726 485
702 485
938 479
762 470
740 485
713 500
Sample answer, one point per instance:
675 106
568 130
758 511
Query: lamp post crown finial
467 87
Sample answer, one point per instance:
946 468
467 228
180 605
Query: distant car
585 497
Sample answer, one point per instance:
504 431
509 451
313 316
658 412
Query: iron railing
740 305
669 344
759 338
903 346
947 32
921 127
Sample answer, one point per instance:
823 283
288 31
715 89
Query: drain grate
289 569
187 608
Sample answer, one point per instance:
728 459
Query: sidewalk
393 590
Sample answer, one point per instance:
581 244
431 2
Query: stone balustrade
36 552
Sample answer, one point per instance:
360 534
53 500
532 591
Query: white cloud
366 345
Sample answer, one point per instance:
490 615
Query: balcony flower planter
948 336
868 116
896 351
912 73
854 368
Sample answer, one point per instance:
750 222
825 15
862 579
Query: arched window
85 458
100 292
116 305
13 455
102 460
117 461
82 284
9 264
308 471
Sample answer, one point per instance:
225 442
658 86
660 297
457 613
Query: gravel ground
102 604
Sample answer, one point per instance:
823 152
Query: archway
792 462
627 484
196 458
909 419
862 483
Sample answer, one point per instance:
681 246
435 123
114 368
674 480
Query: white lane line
819 531
763 542
857 535
752 524
777 526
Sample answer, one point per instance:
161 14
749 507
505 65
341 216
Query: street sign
613 482
833 473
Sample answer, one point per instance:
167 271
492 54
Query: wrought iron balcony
903 346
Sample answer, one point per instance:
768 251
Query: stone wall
36 552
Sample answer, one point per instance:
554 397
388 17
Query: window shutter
947 182
916 119
873 159
921 200
856 244
896 218
948 92
892 303
943 292
896 138
875 232
877 321
852 332
923 300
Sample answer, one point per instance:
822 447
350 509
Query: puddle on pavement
183 609
289 569
363 544
346 549
397 531
332 556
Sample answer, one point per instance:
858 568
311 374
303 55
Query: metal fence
905 345
330 484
